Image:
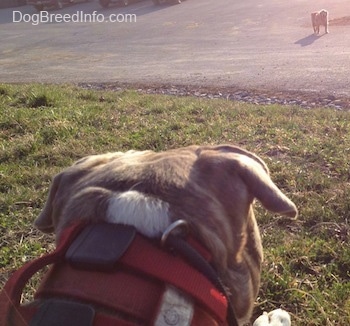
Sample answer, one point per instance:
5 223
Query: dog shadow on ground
308 40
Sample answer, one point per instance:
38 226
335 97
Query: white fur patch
148 214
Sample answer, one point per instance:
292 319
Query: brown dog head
212 187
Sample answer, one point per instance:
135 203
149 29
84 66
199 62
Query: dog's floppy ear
225 164
255 174
45 221
62 187
259 183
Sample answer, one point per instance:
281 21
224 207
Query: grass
44 128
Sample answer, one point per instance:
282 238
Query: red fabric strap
25 313
122 291
174 270
142 256
10 295
144 266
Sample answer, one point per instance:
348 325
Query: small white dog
320 18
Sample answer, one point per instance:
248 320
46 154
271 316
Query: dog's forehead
234 153
185 156
182 158
101 159
173 167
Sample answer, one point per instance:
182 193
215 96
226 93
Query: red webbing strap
174 270
10 295
142 258
124 290
26 313
159 264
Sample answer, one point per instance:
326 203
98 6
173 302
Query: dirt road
248 44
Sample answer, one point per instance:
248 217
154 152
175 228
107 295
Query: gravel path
307 100
261 52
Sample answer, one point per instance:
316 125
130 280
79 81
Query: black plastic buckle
63 313
99 246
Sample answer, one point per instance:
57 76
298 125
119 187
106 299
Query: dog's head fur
212 187
323 15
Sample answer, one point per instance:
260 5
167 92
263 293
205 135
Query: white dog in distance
320 18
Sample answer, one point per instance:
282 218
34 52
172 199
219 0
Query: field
306 271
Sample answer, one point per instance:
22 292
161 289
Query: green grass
43 129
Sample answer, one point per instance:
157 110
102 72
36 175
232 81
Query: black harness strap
197 261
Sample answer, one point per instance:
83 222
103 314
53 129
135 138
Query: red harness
132 289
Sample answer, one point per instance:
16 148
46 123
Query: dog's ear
61 189
227 164
258 181
45 221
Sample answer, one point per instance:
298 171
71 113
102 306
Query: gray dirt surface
210 47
